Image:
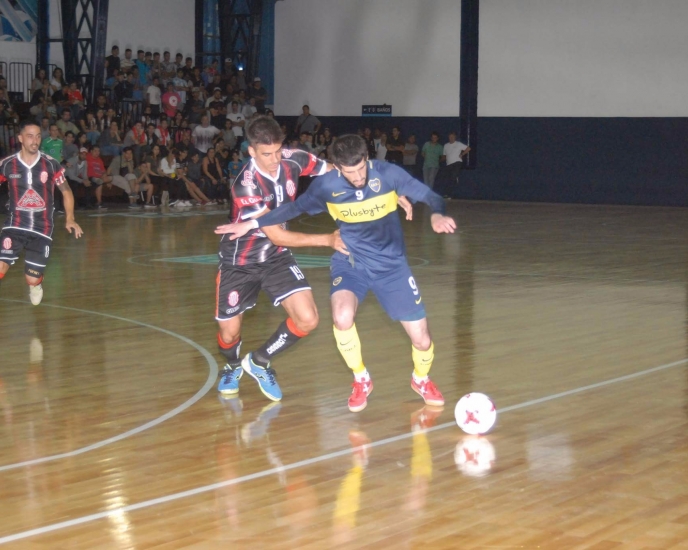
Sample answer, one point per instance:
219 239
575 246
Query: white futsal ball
475 413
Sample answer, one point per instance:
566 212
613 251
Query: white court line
117 512
209 383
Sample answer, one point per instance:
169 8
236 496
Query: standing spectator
171 101
395 148
411 156
154 97
124 89
260 94
228 134
178 62
194 107
249 109
45 128
228 70
204 134
217 117
216 96
169 68
381 153
215 82
181 86
238 121
307 122
53 145
188 69
127 63
431 153
156 66
370 143
112 62
452 154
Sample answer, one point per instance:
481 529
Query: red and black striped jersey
32 192
253 191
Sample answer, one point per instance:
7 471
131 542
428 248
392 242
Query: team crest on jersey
291 188
7 244
233 298
286 153
44 177
247 180
374 184
31 201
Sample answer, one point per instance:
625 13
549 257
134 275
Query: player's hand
75 226
442 224
235 230
338 244
407 206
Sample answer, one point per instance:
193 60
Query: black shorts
36 247
238 285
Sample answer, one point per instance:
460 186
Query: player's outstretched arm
68 198
442 224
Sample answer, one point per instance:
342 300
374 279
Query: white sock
419 379
362 376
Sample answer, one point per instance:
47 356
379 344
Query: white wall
152 25
594 58
337 55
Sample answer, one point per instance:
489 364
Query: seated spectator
319 146
216 96
234 167
57 83
112 81
82 141
75 99
163 134
53 145
76 172
186 143
151 140
204 134
192 183
69 147
50 108
124 174
305 142
65 124
217 117
176 187
249 109
238 120
134 78
38 100
135 139
259 94
45 128
38 81
194 107
111 142
228 134
101 103
153 159
171 101
97 174
89 125
215 82
213 183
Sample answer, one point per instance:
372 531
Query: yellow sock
350 347
422 360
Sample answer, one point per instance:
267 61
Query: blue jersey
367 216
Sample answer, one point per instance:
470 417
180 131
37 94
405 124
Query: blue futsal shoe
265 376
229 380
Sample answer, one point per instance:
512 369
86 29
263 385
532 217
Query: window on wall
211 32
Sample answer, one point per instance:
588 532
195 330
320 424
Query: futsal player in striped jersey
32 176
362 197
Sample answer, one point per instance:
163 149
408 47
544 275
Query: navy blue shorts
396 290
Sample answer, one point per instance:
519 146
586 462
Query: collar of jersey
31 166
275 179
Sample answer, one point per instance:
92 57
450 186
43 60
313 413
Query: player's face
356 175
267 157
30 139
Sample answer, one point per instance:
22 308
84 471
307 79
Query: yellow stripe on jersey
364 211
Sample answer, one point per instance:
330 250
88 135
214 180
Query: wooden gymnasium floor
572 318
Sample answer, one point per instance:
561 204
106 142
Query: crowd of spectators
168 130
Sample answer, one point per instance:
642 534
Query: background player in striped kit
32 177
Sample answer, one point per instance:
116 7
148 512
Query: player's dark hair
28 122
349 150
264 130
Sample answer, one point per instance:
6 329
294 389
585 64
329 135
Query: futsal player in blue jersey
362 196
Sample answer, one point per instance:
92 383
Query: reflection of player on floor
32 177
362 196
260 261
